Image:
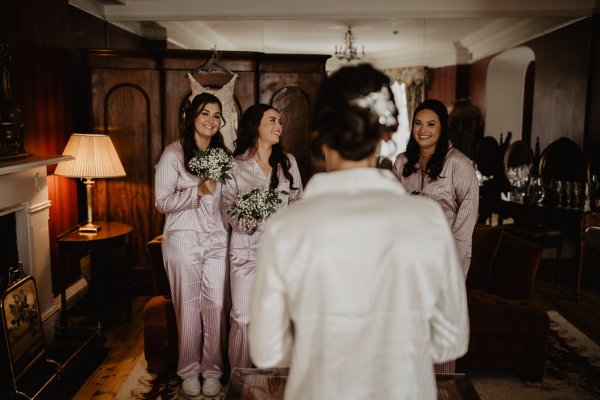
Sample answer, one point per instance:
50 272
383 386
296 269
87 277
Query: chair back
561 160
518 154
518 165
487 156
592 176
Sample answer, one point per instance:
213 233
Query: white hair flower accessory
380 103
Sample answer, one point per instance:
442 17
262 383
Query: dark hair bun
353 129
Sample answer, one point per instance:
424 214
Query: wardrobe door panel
126 107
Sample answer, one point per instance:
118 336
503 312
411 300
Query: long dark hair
345 126
248 137
188 127
436 162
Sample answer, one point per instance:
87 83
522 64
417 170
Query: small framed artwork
22 325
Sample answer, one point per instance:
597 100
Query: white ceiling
394 33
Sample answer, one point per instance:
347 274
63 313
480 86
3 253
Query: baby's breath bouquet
212 164
255 206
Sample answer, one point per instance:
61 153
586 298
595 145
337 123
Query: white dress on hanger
225 94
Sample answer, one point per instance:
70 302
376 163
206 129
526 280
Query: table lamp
95 157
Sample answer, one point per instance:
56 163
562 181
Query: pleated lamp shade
95 157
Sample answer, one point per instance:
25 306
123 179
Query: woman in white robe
358 287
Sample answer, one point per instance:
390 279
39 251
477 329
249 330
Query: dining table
574 222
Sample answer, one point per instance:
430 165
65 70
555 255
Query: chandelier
347 53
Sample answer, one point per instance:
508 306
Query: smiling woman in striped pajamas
432 167
194 247
260 161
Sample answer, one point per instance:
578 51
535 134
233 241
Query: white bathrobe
359 290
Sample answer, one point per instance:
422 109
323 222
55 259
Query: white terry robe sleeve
270 327
449 323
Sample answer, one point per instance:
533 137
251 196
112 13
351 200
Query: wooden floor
125 344
125 340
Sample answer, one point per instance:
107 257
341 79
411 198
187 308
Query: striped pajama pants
241 276
449 367
198 278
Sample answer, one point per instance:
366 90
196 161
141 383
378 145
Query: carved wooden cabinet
136 98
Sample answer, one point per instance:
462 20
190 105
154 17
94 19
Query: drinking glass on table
576 193
595 191
559 189
536 191
568 194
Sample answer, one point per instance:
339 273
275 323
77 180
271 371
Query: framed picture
22 325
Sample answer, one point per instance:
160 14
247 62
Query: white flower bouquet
212 164
255 206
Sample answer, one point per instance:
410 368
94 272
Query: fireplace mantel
32 161
24 188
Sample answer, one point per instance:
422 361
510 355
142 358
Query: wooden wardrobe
136 98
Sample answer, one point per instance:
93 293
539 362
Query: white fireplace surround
24 191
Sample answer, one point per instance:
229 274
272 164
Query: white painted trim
40 207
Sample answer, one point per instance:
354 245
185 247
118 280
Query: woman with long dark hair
432 167
260 162
194 247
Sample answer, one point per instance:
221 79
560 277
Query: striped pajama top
176 192
456 190
247 175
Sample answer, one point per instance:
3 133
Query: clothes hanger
213 61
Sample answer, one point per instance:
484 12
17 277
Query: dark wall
592 133
561 77
45 38
477 81
566 90
442 84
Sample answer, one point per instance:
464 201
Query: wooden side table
98 246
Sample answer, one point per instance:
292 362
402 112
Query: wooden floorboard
125 342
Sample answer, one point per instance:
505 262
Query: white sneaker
211 387
191 386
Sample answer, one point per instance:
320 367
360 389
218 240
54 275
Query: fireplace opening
9 253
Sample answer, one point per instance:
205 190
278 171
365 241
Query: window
397 144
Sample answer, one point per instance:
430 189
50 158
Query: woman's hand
206 187
251 227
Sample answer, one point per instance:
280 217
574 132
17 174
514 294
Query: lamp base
89 228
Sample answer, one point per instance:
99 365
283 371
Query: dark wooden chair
592 177
562 160
160 326
520 153
507 329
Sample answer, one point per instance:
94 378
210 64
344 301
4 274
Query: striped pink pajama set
194 250
243 247
456 190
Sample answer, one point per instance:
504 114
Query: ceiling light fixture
347 53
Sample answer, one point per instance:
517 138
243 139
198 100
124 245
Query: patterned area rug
572 370
572 373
